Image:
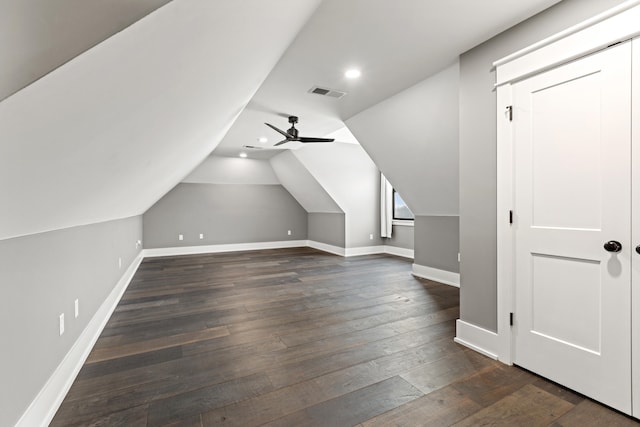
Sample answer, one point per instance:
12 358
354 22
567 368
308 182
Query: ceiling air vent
327 92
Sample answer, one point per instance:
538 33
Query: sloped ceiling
302 185
413 138
395 44
107 134
37 36
351 178
233 170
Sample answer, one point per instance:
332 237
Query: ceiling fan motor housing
293 132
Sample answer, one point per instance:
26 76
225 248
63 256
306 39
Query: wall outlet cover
180 237
76 308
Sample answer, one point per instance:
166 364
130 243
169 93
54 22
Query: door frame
635 225
613 26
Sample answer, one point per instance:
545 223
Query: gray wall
225 214
436 242
401 237
478 152
327 228
40 277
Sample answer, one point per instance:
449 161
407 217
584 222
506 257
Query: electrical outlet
119 262
61 323
180 237
289 232
458 256
76 308
201 236
370 236
138 244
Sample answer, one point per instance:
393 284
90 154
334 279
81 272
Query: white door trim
506 235
619 23
635 227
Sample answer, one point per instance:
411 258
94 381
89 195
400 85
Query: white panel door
572 183
635 227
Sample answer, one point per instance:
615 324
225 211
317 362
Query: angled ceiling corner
107 134
302 185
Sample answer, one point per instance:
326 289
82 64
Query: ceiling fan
292 134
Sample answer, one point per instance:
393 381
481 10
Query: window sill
403 222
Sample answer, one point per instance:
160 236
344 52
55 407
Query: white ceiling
394 43
37 36
109 133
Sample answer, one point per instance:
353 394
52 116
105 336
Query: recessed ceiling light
243 155
352 73
263 140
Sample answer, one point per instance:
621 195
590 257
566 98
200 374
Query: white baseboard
364 250
336 250
476 338
43 408
234 247
437 275
402 252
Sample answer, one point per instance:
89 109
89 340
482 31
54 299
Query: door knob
638 249
613 246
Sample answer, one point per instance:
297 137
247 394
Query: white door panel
566 187
572 145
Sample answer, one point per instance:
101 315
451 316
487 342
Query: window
400 209
393 210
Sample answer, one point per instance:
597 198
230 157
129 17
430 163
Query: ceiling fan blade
312 139
285 134
284 141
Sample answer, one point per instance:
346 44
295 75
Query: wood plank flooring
297 337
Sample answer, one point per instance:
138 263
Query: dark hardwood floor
296 337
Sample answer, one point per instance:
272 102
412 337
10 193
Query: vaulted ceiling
395 44
123 99
38 36
110 132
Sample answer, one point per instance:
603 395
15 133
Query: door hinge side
509 112
510 319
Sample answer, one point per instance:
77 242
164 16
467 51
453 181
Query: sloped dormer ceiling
38 36
302 185
107 134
